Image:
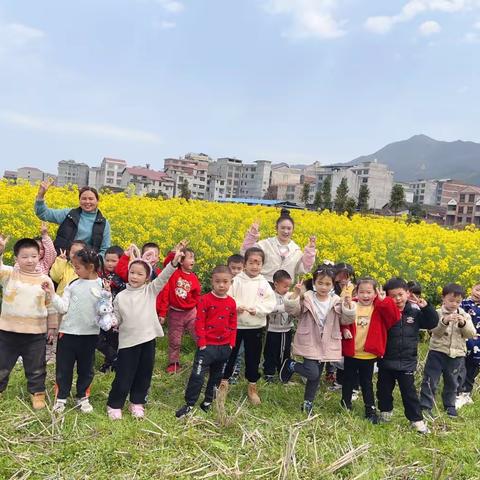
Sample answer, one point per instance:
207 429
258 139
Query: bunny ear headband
138 259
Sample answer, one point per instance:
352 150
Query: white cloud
17 35
429 28
67 127
310 18
171 6
413 8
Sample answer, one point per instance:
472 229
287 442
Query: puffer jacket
310 340
473 344
402 339
450 338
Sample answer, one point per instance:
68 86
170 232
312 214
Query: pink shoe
137 410
173 368
114 413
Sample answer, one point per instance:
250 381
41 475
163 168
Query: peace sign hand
44 186
3 242
312 242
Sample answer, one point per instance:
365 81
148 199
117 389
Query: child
150 253
318 338
235 264
279 330
364 341
108 341
62 271
27 319
178 300
215 327
416 289
78 332
400 360
472 361
138 327
447 350
255 299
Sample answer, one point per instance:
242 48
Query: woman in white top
281 252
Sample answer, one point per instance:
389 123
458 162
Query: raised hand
132 251
181 244
255 229
63 254
347 301
179 254
299 289
421 302
44 186
3 242
381 295
44 229
312 242
107 285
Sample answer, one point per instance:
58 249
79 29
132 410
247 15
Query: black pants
358 370
277 349
31 347
440 364
133 374
470 371
252 341
108 345
312 371
406 382
71 349
211 359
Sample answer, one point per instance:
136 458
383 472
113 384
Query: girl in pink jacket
318 338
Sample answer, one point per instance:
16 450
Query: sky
293 81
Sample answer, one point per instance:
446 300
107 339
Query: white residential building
147 180
32 174
282 174
192 169
255 179
109 174
70 171
230 171
425 192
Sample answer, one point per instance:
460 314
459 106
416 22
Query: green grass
250 442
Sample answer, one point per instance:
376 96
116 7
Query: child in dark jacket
472 361
400 360
215 327
178 301
365 340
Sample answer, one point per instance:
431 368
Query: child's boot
253 395
38 400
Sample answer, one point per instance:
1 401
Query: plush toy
104 310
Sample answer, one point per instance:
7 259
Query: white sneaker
460 401
467 399
355 395
84 405
385 416
59 406
421 427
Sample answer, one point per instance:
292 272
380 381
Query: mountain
423 157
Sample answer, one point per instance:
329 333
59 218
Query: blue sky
283 80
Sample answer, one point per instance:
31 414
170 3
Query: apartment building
193 169
70 171
255 179
465 208
147 180
108 174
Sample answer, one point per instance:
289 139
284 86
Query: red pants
178 323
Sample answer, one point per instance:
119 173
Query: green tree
341 197
317 201
327 194
185 191
363 197
350 206
416 213
397 199
305 193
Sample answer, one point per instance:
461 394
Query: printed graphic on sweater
182 288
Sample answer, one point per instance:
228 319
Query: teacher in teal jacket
85 222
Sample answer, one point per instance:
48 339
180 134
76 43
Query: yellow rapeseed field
375 246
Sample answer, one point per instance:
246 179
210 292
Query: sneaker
307 407
420 427
137 410
59 405
286 371
335 387
467 398
330 378
269 378
385 416
173 368
355 395
183 411
371 415
451 412
84 405
205 406
38 400
114 413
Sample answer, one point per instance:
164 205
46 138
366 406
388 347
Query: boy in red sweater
178 300
216 331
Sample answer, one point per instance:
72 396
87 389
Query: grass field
274 440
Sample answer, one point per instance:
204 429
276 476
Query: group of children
340 320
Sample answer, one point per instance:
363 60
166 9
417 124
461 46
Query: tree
317 201
305 193
363 197
185 191
350 206
341 197
397 199
416 213
270 194
327 194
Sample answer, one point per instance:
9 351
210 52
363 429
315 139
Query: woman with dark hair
85 222
281 252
